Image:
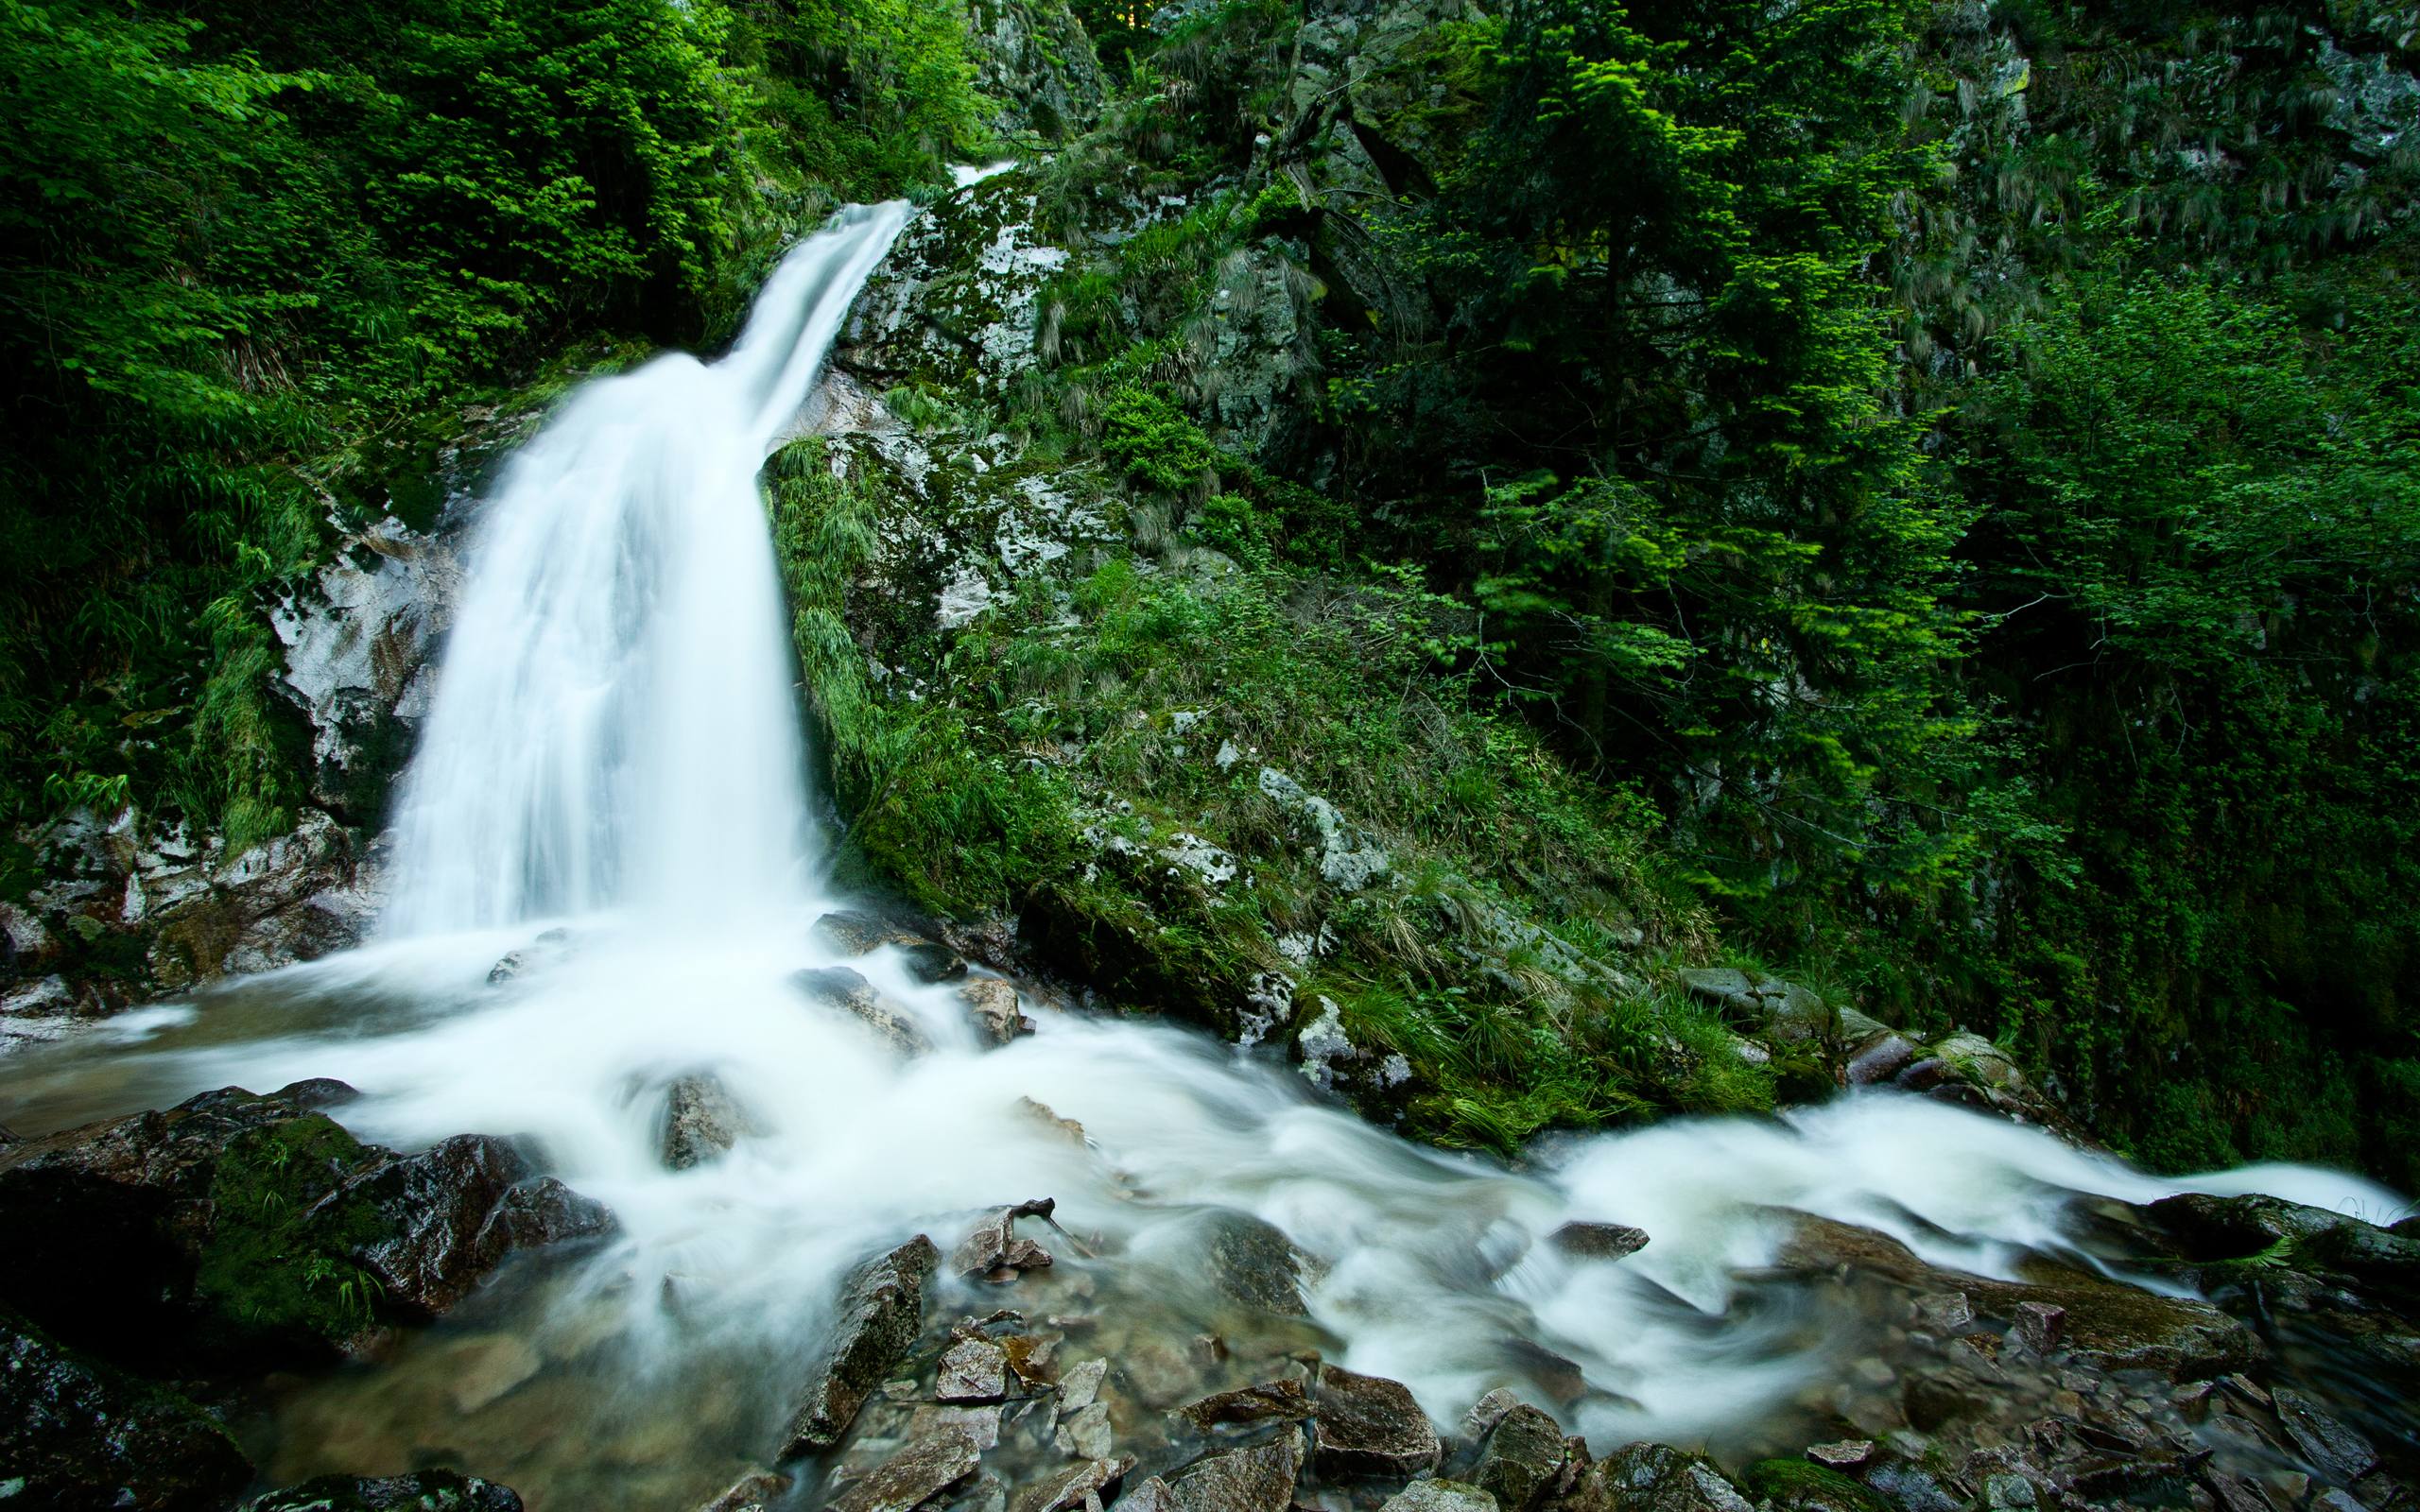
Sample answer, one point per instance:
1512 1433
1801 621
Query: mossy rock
1802 1485
277 1259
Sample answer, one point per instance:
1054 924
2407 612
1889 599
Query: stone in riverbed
1443 1496
1074 1486
992 1003
755 1492
451 1213
701 1121
1269 1401
1084 1433
75 1432
1259 1479
854 932
1654 1478
932 964
2335 1448
1521 1458
839 987
1254 1263
1598 1241
924 1470
1368 1425
882 1308
424 1491
973 1370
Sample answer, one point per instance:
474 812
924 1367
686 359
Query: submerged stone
915 1475
837 987
701 1121
1258 1479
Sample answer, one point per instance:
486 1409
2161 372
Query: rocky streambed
239 1290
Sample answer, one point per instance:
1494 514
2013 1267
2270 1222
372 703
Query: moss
276 1263
1802 1485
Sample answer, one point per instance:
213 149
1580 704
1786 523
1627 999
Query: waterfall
614 726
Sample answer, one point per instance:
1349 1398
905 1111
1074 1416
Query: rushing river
614 752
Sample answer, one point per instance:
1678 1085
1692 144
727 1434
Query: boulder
1521 1459
444 1218
855 932
932 964
76 1434
424 1491
1258 1479
1254 1264
1368 1425
915 1475
701 1121
237 1223
1269 1401
882 1309
837 987
1882 1059
993 1005
1598 1241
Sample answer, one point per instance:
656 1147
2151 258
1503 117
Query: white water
615 743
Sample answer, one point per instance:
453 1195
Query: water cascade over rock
1192 1275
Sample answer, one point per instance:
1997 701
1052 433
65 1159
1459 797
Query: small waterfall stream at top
612 785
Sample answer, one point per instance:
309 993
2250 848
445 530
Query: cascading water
613 749
614 727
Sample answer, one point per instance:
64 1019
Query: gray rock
1368 1425
1084 1433
755 1492
1152 1495
1270 1401
1654 1478
1843 1455
1521 1459
927 1466
972 1370
853 932
1071 1487
423 1492
1443 1496
1259 1479
931 964
77 1433
980 1423
2340 1452
701 1121
992 1003
1254 1264
1081 1385
1488 1411
837 987
1881 1060
1598 1241
449 1216
882 1308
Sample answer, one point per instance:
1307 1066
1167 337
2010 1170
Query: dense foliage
255 256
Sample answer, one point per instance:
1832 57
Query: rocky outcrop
1035 60
235 1226
76 1434
882 1308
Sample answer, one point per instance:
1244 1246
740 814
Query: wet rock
915 1475
1084 1433
316 1094
973 1370
1488 1411
1254 1264
426 1491
1368 1425
1259 1479
2040 1326
1521 1458
992 1003
452 1212
755 1492
235 1223
1444 1495
701 1121
1654 1478
981 1424
1846 1455
882 1308
76 1434
1881 1060
933 964
2340 1452
1081 1385
2212 1232
1066 1128
1152 1495
837 987
1804 1485
1070 1488
993 1249
1269 1401
854 932
1598 1241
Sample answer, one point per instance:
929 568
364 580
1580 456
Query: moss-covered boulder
233 1227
